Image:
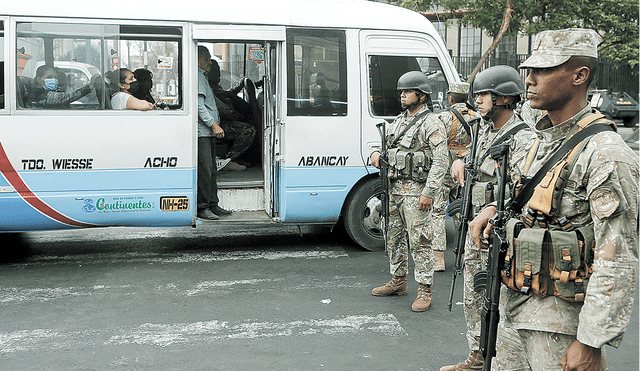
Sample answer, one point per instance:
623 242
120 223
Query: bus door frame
272 92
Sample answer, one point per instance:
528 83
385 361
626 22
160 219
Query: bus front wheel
362 215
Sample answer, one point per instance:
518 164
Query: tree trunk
506 19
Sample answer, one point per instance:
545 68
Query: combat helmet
414 80
499 80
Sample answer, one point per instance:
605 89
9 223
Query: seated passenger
145 84
45 93
127 85
234 115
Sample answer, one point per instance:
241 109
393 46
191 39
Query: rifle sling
504 136
464 123
415 119
527 191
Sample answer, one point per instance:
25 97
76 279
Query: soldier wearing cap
457 140
418 162
585 221
497 90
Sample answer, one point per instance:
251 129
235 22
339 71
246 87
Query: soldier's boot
439 256
397 286
475 361
423 301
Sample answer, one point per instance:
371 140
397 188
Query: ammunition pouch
481 194
548 262
409 165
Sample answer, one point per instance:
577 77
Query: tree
615 20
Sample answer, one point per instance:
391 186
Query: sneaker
207 214
423 301
221 163
397 286
234 166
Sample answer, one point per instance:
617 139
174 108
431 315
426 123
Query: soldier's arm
612 191
435 138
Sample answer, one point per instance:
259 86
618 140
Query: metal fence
611 76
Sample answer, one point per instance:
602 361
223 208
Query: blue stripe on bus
315 195
103 198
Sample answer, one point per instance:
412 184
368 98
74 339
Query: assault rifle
491 279
384 178
464 206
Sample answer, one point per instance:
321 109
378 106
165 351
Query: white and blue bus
327 71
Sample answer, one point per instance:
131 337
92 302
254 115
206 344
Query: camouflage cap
458 88
553 48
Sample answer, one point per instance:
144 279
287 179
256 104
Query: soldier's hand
424 203
375 159
581 357
457 171
481 227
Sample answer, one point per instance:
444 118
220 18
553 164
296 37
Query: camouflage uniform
456 140
476 260
238 132
601 190
408 226
530 115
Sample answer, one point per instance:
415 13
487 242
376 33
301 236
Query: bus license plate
174 203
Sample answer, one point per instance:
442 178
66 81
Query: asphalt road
231 298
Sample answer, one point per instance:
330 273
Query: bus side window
384 72
317 73
1 64
82 55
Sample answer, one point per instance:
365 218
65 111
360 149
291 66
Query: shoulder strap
504 136
464 123
415 119
527 191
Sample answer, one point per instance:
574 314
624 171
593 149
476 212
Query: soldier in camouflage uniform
418 161
497 91
457 140
561 331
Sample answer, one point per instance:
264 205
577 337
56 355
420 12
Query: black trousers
207 173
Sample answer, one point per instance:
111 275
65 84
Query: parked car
615 105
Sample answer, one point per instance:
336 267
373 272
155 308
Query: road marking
21 295
157 258
164 335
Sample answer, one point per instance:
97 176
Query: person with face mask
127 85
46 92
145 84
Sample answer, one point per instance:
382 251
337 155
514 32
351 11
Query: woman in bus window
127 85
46 94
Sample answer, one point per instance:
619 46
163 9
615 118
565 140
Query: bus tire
362 214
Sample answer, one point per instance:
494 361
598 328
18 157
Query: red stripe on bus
23 190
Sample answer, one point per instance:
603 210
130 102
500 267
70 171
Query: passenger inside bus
124 83
47 92
145 84
238 121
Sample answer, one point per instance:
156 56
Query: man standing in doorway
208 130
418 161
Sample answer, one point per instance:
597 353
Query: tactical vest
407 159
548 255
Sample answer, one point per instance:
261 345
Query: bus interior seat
24 89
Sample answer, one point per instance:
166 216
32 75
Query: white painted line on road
156 258
21 295
18 295
164 335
